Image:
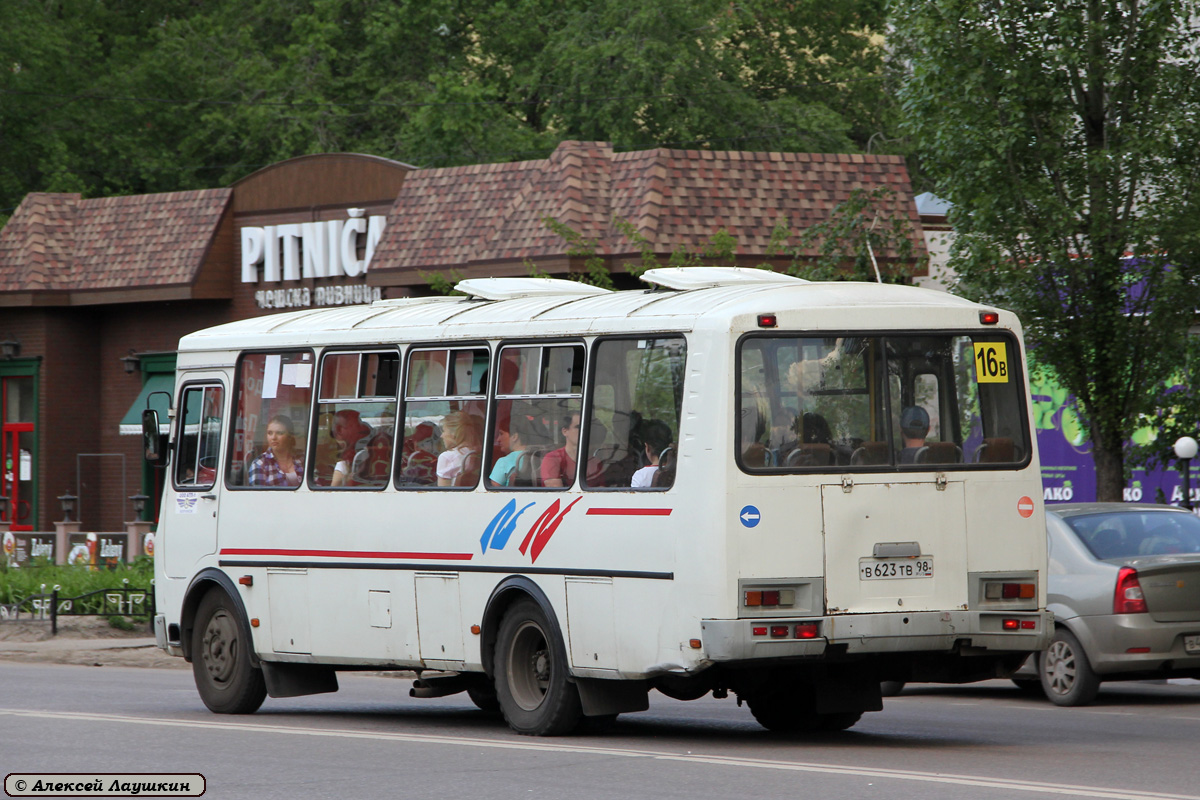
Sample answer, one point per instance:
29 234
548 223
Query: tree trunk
1109 458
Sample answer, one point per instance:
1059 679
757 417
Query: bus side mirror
152 439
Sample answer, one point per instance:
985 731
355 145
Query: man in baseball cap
914 427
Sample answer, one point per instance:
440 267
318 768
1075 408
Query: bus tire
226 679
536 697
484 697
786 711
841 721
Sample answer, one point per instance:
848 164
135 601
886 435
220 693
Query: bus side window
356 413
273 394
201 416
634 412
445 407
538 413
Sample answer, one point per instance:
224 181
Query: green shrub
40 576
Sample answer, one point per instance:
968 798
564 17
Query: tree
125 96
1067 135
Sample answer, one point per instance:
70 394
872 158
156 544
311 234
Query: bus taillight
755 598
808 630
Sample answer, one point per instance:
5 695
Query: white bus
557 498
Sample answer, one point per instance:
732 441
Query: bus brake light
807 630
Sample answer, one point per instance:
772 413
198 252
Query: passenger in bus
514 440
418 461
462 434
352 435
624 461
914 427
280 465
558 467
656 439
664 478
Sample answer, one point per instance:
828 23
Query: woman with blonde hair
462 433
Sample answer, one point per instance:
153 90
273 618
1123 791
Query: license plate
1192 643
882 569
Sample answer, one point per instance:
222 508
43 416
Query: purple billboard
1068 474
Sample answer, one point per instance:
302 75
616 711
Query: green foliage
163 95
1175 416
595 272
39 576
1067 135
647 257
861 241
121 623
443 282
719 250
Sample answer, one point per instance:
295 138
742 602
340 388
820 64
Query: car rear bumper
1108 640
858 634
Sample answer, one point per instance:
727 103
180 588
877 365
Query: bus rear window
905 402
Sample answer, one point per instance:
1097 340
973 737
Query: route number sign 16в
991 362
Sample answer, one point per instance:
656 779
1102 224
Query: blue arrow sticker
749 516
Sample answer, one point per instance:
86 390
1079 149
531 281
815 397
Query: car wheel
225 677
532 685
891 688
1066 674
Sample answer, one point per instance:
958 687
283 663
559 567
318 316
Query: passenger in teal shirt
513 441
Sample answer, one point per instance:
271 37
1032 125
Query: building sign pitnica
325 249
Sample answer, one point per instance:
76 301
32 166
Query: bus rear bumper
859 634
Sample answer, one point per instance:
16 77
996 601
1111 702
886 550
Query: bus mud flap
837 697
600 697
296 680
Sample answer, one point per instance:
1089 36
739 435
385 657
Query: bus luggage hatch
895 547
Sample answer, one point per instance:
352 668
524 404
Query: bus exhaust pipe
439 687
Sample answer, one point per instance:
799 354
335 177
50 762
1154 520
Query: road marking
973 781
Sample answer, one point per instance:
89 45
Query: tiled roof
61 242
457 216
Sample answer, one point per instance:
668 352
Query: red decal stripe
630 512
242 551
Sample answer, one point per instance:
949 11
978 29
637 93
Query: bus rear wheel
785 711
530 668
225 677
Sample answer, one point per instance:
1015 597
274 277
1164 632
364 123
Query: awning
131 423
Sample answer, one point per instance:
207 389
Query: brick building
95 293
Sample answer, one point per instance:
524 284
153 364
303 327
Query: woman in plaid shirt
280 465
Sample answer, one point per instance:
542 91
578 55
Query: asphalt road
371 740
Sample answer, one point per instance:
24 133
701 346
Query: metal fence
127 601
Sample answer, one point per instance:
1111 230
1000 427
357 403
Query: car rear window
1126 534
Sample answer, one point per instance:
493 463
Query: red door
16 450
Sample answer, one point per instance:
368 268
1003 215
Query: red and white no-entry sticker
1025 507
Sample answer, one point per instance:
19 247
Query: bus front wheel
227 680
532 685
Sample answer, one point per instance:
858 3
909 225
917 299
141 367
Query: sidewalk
59 645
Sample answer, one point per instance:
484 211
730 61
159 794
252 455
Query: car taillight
1128 597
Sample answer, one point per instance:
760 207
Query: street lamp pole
1185 450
